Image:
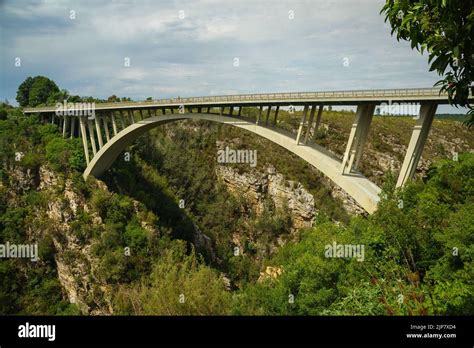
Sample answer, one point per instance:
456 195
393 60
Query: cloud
281 46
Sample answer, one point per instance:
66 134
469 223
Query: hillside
205 238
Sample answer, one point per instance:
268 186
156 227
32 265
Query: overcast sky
209 47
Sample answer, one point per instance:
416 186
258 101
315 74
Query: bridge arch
356 185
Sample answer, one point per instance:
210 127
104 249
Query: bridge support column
130 114
276 115
106 127
357 137
73 126
310 123
231 111
64 126
302 123
199 110
417 142
163 111
268 114
240 111
222 110
172 110
141 113
318 119
259 115
149 112
92 137
114 125
208 110
122 122
99 131
82 124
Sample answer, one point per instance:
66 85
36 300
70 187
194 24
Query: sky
163 49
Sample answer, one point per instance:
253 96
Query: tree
64 154
35 91
41 89
445 30
58 96
23 93
179 284
113 98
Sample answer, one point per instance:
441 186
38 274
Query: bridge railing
409 92
263 97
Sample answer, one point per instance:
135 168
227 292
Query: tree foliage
418 257
443 28
36 91
179 285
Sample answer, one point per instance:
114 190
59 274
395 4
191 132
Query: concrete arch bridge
116 125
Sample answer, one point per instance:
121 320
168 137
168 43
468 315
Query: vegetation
35 91
161 235
444 29
418 257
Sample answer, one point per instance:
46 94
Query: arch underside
361 189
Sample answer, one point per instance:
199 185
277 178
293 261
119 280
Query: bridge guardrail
384 93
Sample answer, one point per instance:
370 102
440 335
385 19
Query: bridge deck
297 98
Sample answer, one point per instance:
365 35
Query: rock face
77 267
203 242
255 187
22 180
299 201
270 273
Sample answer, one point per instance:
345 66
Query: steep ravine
77 266
78 269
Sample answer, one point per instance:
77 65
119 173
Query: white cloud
194 56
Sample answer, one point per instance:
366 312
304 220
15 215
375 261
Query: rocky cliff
284 193
256 186
77 267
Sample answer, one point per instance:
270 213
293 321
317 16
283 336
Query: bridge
116 125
